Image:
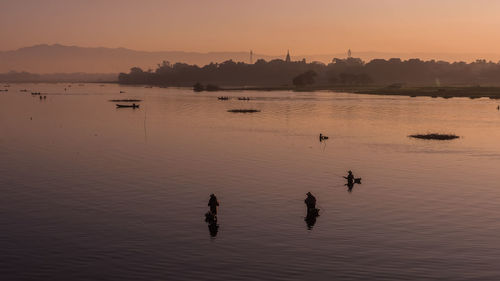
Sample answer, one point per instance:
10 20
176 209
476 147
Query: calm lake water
92 192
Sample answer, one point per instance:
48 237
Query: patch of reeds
434 136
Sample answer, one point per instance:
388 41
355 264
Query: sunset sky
266 26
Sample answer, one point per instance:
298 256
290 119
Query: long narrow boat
127 105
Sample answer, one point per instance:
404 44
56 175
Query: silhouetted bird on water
322 137
211 216
312 212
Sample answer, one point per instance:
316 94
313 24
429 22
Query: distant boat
223 98
125 100
127 105
35 93
23 90
243 98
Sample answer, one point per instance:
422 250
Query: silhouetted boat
244 98
243 110
127 105
126 100
223 98
35 93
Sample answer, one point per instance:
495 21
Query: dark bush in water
435 136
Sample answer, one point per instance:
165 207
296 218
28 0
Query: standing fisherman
213 203
310 202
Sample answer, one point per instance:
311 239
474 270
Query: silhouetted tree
349 71
304 79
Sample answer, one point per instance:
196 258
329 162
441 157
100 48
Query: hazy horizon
268 27
58 58
483 55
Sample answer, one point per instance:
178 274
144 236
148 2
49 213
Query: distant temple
288 59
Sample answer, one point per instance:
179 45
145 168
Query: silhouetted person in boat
322 137
350 186
312 212
350 178
213 204
351 181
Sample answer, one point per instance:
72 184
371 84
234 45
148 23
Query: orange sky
270 26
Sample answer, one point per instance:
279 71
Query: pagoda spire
288 59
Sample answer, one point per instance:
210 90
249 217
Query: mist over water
92 192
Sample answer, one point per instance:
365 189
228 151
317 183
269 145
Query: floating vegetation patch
243 110
435 136
125 100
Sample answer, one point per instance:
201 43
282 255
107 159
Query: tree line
349 71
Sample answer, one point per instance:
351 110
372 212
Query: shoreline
472 92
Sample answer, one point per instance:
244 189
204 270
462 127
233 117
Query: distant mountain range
69 59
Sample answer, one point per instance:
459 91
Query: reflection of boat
127 105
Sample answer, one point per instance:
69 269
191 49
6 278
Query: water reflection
213 226
99 171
